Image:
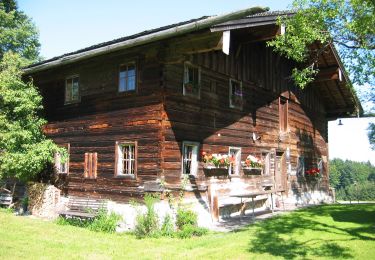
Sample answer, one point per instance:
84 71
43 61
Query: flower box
252 170
210 171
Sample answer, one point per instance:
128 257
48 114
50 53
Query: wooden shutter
283 114
91 160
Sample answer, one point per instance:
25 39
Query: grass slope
332 231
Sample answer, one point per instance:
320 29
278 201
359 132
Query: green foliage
350 25
167 229
304 76
371 134
24 149
17 33
148 223
73 222
188 231
186 217
7 210
352 180
103 222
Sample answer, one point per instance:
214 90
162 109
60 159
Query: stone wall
44 200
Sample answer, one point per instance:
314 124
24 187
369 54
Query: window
126 159
266 157
192 80
190 158
234 168
235 94
62 164
127 77
320 166
91 162
283 114
301 166
72 90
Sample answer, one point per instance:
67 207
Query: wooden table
252 195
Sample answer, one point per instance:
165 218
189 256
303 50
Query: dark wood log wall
103 117
265 77
160 118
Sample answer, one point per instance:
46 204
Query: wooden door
280 171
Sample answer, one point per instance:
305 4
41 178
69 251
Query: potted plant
237 100
252 165
312 177
216 164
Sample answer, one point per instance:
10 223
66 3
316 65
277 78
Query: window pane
68 90
75 89
235 94
131 83
127 159
131 70
188 150
122 85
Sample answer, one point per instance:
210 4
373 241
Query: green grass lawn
332 231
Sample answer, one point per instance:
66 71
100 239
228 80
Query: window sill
237 108
127 93
72 103
125 176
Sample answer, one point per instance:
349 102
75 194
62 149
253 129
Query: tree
17 32
347 24
371 135
24 150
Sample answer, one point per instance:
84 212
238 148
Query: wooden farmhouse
203 105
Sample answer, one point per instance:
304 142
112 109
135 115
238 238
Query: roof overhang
332 82
147 37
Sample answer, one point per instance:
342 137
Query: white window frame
126 82
59 165
71 101
188 65
119 162
194 158
320 166
230 93
300 166
266 156
238 161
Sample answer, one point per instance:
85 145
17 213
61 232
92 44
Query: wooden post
215 208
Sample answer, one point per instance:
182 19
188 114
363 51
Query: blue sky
70 25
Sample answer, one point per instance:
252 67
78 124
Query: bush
104 222
148 223
186 217
101 223
361 191
167 229
188 231
73 222
7 210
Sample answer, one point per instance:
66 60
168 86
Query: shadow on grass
292 236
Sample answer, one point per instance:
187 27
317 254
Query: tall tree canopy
348 24
17 32
24 150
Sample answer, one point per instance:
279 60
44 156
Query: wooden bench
227 204
6 198
83 208
254 195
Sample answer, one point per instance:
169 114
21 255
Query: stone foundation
44 200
